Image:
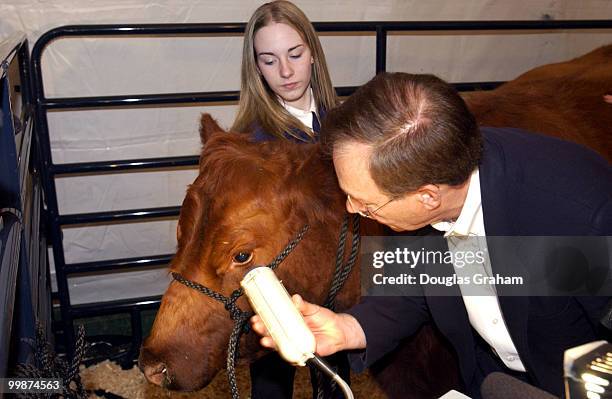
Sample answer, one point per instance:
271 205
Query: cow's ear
191 215
208 126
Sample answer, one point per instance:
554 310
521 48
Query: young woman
285 91
285 86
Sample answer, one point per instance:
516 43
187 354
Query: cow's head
249 200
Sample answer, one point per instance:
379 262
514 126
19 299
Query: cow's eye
243 257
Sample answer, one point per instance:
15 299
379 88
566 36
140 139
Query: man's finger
267 342
260 328
297 300
305 308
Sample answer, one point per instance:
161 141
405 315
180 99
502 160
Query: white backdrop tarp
76 67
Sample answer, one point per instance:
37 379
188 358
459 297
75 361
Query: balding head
420 131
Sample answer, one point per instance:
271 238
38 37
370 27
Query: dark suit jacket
258 134
530 185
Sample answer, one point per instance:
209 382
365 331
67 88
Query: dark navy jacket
531 185
258 134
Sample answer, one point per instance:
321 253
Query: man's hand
333 332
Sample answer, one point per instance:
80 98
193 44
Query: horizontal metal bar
357 26
471 86
123 165
459 25
113 264
113 307
143 30
140 100
179 29
133 100
119 215
345 91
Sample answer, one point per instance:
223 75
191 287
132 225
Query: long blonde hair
258 103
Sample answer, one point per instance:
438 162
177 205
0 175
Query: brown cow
252 198
571 100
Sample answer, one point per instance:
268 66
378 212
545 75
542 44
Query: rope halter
241 317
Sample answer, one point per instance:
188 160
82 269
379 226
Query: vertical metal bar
25 327
10 179
48 178
10 237
381 49
136 329
24 69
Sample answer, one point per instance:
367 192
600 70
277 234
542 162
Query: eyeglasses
366 213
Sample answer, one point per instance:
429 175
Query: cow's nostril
155 373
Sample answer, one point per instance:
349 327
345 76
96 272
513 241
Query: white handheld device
271 301
293 339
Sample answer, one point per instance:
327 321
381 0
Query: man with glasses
364 209
408 153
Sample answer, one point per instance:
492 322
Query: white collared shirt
483 311
303 116
470 220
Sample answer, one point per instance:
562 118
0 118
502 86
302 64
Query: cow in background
571 100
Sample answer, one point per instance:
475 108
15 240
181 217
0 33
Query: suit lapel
448 310
504 254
